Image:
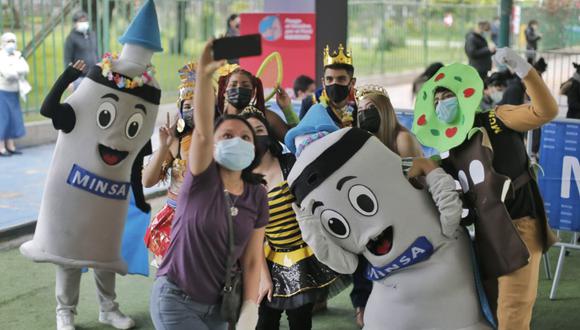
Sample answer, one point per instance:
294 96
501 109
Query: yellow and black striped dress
297 276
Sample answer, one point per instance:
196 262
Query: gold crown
250 109
337 58
370 89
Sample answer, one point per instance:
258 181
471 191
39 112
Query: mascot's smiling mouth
111 156
381 244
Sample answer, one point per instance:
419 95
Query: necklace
232 204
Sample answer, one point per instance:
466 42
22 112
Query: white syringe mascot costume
104 127
353 198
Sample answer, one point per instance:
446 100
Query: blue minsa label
419 251
87 181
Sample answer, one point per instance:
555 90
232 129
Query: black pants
298 319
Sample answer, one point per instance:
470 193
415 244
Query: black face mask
239 97
337 93
369 119
262 145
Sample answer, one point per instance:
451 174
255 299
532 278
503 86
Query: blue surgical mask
234 154
496 96
10 47
446 110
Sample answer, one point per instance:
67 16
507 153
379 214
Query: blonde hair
390 126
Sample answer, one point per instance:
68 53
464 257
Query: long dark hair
256 87
275 148
247 174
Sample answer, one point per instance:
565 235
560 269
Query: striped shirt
283 232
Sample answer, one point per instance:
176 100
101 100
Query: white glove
325 250
515 62
248 316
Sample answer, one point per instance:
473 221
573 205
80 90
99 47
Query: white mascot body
103 127
354 199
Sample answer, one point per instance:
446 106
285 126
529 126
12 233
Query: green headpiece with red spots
464 81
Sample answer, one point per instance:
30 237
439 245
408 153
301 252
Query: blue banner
88 181
420 250
560 182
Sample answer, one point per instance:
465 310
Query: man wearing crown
337 88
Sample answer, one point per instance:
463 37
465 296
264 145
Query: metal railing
385 36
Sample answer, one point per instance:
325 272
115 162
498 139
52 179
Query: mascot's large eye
106 115
134 125
335 223
363 200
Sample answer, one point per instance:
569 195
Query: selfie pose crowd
266 215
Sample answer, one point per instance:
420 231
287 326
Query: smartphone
236 47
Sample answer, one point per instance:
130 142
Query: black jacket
79 46
532 38
573 94
478 52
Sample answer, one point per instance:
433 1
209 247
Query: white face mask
10 47
82 27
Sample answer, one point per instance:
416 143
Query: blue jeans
172 309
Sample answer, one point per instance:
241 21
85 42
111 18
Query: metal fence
385 36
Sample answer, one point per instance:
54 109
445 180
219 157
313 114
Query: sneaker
65 321
116 319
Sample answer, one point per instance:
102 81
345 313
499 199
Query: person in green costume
511 226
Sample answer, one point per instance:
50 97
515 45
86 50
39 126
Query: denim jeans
172 309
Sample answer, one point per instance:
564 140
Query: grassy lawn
27 299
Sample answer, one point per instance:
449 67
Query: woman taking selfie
219 188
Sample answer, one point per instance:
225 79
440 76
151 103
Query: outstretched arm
201 148
543 107
62 115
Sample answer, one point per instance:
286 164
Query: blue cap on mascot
144 29
316 120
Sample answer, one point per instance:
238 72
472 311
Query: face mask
82 27
263 143
10 47
369 119
239 97
234 154
446 110
496 96
485 35
337 93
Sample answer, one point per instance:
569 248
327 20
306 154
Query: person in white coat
13 71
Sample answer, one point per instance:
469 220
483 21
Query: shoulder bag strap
230 258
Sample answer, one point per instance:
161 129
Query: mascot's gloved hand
248 316
514 61
326 250
442 188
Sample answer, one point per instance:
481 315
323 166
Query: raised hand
167 134
207 65
512 60
282 98
80 65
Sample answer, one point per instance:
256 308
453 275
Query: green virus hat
467 86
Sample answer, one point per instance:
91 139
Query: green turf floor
27 299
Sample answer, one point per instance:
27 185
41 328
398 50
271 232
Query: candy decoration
421 121
450 132
467 86
120 81
469 92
